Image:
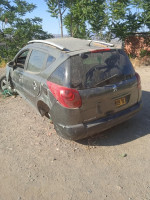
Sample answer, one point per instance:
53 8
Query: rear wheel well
43 108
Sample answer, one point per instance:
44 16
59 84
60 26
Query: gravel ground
36 164
2 71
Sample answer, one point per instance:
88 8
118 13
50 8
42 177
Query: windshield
91 69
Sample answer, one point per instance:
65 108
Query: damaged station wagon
84 86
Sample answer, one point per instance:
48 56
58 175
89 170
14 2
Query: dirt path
36 164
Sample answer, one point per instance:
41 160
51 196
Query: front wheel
6 85
3 83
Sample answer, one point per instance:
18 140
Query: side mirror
11 64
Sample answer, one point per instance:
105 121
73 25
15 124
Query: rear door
32 75
106 82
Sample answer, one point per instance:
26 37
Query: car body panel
31 86
83 130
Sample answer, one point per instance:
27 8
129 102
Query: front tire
3 83
6 85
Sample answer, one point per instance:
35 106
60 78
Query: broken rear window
98 69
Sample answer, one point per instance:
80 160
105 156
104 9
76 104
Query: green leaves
126 17
18 31
85 17
22 7
57 9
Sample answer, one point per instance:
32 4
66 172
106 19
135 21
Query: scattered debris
119 187
75 149
6 93
51 122
89 191
53 160
124 155
49 134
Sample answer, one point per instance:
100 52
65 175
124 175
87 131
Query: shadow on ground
130 130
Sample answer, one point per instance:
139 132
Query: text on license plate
120 102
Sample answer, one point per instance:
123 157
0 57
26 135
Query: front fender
9 72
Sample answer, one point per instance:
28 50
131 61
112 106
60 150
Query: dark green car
85 86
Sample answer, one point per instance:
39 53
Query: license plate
120 102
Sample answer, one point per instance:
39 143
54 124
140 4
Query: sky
50 24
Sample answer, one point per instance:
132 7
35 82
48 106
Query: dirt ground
36 164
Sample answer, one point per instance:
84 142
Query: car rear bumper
79 131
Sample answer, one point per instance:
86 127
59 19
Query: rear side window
98 69
36 61
61 75
50 60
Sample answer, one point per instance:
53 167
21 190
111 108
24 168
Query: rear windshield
98 69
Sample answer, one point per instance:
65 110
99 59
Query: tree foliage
57 9
103 18
146 12
75 20
85 16
15 30
126 17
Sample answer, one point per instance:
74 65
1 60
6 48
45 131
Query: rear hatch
106 82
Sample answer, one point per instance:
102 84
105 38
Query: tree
10 12
57 9
75 21
105 19
126 17
144 6
16 31
85 17
75 26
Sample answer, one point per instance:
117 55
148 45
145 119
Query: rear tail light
67 97
138 80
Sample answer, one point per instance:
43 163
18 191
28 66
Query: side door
18 70
32 75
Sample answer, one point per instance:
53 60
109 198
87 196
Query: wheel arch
43 108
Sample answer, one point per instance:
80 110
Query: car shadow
130 130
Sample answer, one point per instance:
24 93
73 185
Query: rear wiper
115 75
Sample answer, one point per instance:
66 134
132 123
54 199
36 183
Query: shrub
144 53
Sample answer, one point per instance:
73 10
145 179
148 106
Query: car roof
73 46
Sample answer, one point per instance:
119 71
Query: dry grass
138 62
2 63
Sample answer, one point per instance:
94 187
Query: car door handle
34 85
